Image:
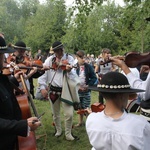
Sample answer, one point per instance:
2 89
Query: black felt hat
114 82
21 45
4 48
57 46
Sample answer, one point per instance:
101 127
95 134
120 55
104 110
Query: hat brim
7 50
131 90
23 48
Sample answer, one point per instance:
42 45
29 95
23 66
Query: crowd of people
107 74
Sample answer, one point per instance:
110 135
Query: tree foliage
88 25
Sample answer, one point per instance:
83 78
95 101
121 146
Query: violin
60 64
95 107
25 60
8 69
24 63
109 60
134 59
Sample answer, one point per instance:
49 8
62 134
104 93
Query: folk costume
114 128
22 59
55 80
11 124
136 82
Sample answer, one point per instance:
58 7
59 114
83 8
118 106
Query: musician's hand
44 93
68 67
33 71
45 68
116 61
120 63
144 69
88 110
17 75
33 123
83 88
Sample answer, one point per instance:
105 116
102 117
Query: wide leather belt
55 89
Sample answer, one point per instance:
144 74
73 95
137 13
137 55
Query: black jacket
11 124
90 76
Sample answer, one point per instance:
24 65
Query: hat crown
20 44
4 48
57 45
2 42
114 79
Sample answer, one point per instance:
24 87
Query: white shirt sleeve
43 80
136 82
72 74
146 136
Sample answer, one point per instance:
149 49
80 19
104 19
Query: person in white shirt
51 84
114 128
136 82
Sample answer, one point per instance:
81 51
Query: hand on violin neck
17 74
33 71
68 67
144 69
89 110
116 61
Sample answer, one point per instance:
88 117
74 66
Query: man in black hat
21 58
114 128
11 123
54 78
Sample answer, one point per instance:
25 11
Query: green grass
48 141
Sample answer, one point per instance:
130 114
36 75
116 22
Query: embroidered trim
113 86
145 114
3 47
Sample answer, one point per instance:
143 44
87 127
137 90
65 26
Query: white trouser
68 113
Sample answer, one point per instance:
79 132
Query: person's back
114 128
129 132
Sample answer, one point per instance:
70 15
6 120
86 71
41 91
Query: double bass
25 100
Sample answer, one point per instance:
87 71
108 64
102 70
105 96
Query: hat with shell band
114 82
57 46
4 48
21 45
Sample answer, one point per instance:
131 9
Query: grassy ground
45 134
